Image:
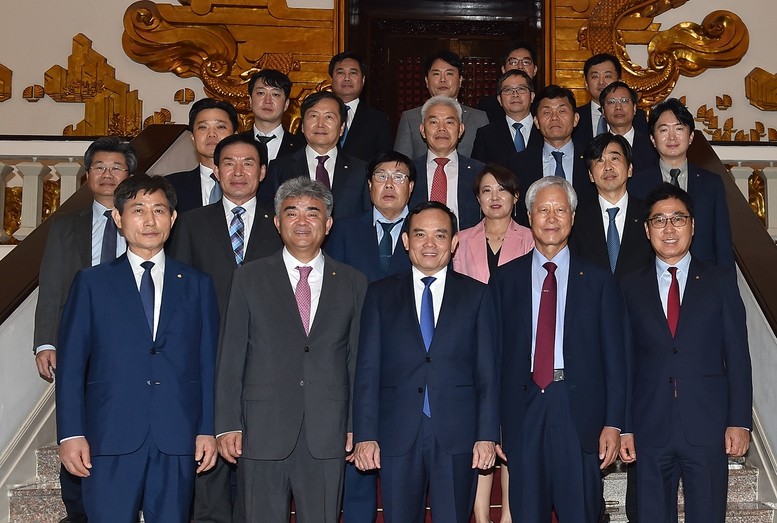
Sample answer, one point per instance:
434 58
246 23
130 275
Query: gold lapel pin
179 275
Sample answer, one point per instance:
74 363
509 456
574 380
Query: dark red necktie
673 302
439 192
546 330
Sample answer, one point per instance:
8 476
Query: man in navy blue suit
425 397
563 368
619 107
135 382
692 380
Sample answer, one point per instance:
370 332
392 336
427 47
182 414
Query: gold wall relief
579 29
761 89
721 129
223 42
5 83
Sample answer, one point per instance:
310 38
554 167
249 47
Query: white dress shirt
311 154
248 217
273 146
315 278
206 184
527 124
596 115
437 289
620 217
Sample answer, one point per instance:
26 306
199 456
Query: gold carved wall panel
5 83
223 42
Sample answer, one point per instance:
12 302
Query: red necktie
673 302
546 330
439 191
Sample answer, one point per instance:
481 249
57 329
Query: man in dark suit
136 370
445 175
76 241
286 366
425 409
555 117
367 130
520 56
599 71
217 239
443 78
323 122
268 98
563 368
515 131
619 106
371 244
671 131
688 325
608 230
209 122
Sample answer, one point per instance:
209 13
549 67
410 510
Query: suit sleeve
479 150
738 366
359 290
181 244
208 345
614 347
335 244
366 404
486 372
404 140
51 289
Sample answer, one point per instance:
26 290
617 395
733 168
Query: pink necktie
302 293
439 191
546 330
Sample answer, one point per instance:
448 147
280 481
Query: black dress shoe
73 519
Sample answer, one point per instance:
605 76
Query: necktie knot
148 265
672 271
517 126
108 213
322 159
442 162
520 145
304 272
387 226
264 139
439 190
674 174
550 267
428 281
238 211
613 212
557 155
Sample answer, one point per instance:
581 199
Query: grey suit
284 389
410 143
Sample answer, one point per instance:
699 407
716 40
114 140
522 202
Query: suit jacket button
302 383
525 387
420 390
428 359
675 350
670 380
154 351
307 349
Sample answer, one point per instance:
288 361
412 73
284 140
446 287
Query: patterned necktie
215 193
345 130
322 175
108 251
385 247
558 155
602 126
674 174
673 302
427 327
520 145
265 139
302 294
147 294
439 192
546 330
613 241
236 234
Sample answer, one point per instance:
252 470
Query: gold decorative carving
609 26
756 190
707 117
761 89
33 93
110 107
12 219
161 116
223 42
5 83
184 96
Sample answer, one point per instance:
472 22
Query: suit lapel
218 228
283 291
261 225
127 287
172 290
405 287
83 235
632 228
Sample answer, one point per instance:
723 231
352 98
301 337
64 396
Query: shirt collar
377 216
249 206
277 132
135 260
561 258
438 276
205 171
568 149
292 263
620 204
682 265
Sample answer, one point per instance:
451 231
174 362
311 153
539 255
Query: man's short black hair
515 72
448 57
425 206
665 191
145 184
677 108
271 78
596 148
391 157
600 59
212 103
112 144
339 57
313 98
261 149
552 92
520 44
607 91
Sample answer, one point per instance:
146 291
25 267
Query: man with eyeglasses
514 131
692 379
371 243
619 106
75 241
671 131
519 56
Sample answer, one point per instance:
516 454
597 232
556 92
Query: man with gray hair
444 175
563 397
286 364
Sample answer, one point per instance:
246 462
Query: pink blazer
471 259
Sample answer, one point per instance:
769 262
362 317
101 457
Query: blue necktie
215 193
602 125
345 130
613 242
385 247
520 145
427 328
236 231
108 251
147 294
557 155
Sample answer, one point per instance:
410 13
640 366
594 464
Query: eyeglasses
526 62
660 221
519 89
100 169
383 176
621 101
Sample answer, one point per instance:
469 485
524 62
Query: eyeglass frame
515 90
674 218
526 61
622 101
396 176
100 169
